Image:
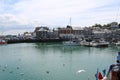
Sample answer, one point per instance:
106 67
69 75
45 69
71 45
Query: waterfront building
29 35
78 32
42 32
88 34
65 33
53 34
101 34
115 34
11 37
75 32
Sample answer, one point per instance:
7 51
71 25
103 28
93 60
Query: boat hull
3 42
71 43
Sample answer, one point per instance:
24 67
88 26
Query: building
78 32
53 34
28 35
102 34
88 34
42 32
65 33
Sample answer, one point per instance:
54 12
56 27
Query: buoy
18 67
47 72
63 64
3 70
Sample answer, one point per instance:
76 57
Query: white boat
117 43
100 43
84 43
71 43
93 43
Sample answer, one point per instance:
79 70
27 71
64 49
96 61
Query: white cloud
47 11
10 24
10 20
16 31
58 12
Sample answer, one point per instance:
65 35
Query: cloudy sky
18 16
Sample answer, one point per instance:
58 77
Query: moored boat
117 43
2 41
100 43
84 43
72 43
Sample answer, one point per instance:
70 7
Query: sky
18 16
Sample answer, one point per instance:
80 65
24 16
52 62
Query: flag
100 77
96 75
104 72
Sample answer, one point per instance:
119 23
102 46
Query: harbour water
53 61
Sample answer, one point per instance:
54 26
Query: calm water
53 61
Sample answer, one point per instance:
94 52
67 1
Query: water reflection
59 47
116 48
70 49
53 61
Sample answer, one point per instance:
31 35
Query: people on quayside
114 70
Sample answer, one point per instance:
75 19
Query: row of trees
108 26
105 26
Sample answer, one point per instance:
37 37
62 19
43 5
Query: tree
97 25
68 26
114 23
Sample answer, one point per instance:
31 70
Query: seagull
82 70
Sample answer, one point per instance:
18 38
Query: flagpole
96 75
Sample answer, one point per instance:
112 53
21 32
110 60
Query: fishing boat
100 43
117 43
71 43
2 41
103 43
84 43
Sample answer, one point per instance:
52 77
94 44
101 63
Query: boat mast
70 26
117 15
70 21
